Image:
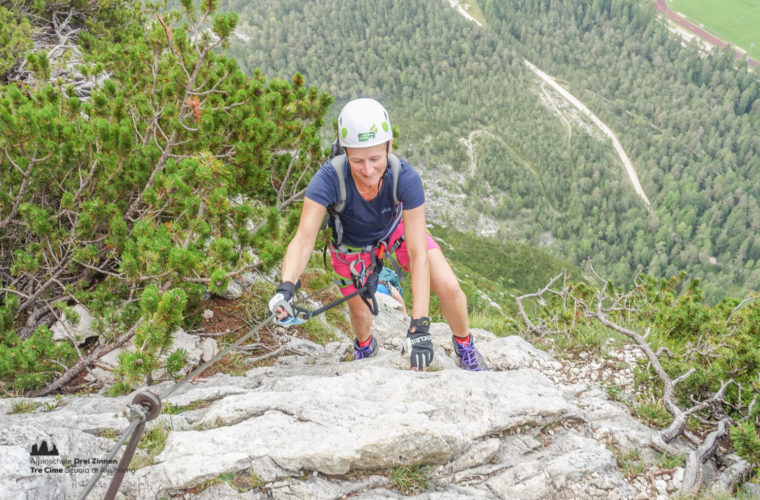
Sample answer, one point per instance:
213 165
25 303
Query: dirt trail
602 126
457 4
599 123
472 154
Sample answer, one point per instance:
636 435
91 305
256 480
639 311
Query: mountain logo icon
43 450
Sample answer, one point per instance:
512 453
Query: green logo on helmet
344 132
368 136
385 126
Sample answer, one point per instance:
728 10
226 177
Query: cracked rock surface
314 426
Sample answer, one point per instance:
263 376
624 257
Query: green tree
15 38
134 201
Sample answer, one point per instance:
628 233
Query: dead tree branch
693 474
85 363
663 440
533 328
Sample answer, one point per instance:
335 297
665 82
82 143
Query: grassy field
735 21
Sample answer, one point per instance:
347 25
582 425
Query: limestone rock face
314 426
78 333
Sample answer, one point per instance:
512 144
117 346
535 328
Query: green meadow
735 21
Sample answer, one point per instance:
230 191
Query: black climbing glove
420 343
282 299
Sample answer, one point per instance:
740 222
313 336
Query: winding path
602 126
469 144
457 4
571 98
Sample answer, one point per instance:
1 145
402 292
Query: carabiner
351 267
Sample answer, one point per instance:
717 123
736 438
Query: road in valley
599 123
662 8
602 126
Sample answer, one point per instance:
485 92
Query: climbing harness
146 405
365 281
339 162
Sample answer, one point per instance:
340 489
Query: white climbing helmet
364 123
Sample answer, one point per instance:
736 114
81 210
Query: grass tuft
109 433
152 443
665 461
629 462
653 414
411 479
240 482
24 406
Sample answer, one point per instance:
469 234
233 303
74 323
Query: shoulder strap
339 163
395 170
334 210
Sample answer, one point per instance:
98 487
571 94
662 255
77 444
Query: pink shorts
341 261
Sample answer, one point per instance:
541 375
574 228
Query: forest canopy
689 120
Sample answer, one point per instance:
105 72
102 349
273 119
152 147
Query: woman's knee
448 288
359 310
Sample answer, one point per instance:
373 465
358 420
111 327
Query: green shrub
746 442
123 202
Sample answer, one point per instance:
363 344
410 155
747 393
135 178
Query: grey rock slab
372 418
315 426
512 353
317 486
571 465
480 453
611 421
63 329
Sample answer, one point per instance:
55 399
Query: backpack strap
334 210
395 164
339 164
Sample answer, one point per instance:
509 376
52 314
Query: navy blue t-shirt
365 222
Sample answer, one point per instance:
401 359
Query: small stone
661 486
678 474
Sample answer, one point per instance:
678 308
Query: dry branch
539 294
85 363
663 440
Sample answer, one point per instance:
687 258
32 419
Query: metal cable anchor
145 406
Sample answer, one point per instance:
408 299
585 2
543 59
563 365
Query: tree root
692 479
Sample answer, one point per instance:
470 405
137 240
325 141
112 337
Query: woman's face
367 164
